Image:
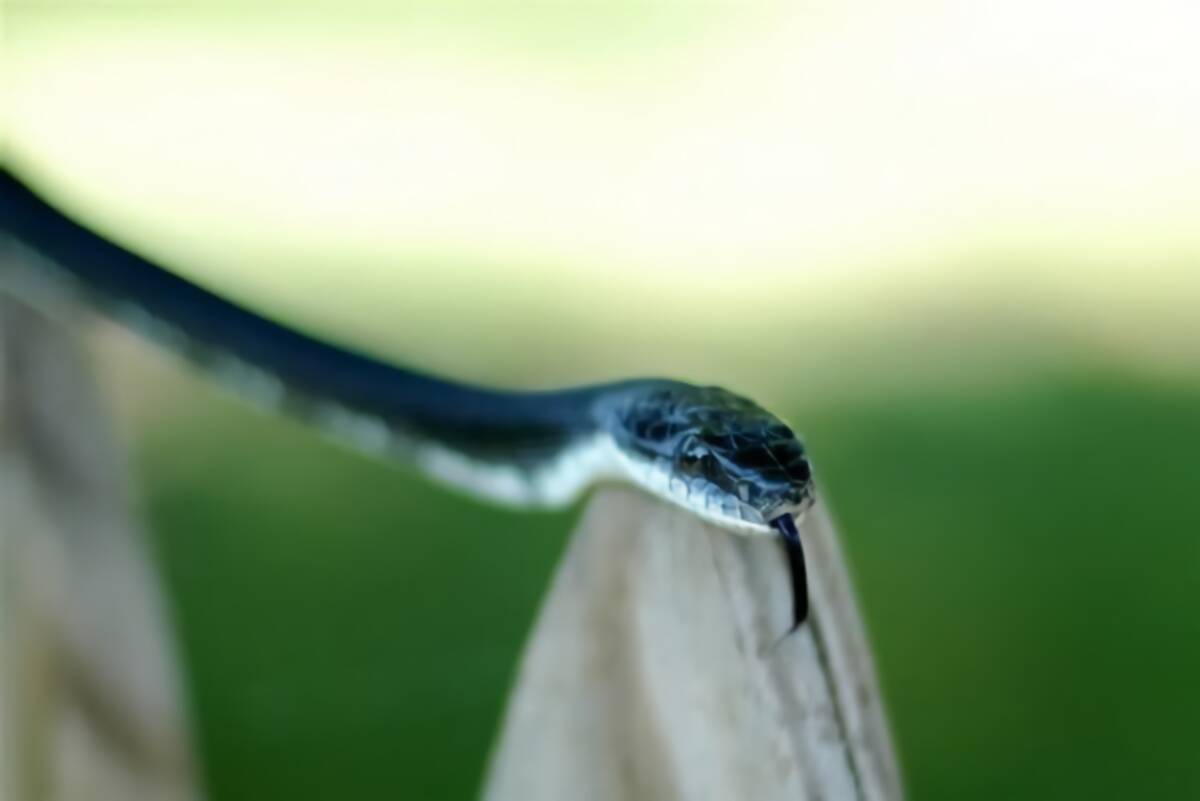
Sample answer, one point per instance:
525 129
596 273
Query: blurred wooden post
90 703
656 672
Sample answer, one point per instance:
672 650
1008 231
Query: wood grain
657 671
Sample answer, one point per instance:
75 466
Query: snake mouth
795 510
785 524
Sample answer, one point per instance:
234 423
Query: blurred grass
1030 560
1027 554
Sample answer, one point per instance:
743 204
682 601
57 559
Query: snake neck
520 448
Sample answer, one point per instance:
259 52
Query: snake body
716 453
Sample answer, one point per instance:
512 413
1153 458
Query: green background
978 306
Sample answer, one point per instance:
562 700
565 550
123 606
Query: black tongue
790 535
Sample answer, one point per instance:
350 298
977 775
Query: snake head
719 454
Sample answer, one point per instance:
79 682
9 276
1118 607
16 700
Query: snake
715 453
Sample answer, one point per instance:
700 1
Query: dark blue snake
715 453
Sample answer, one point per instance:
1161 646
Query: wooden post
656 671
90 702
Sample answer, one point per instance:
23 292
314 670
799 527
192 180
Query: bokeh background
956 244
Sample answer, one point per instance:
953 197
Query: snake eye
695 458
